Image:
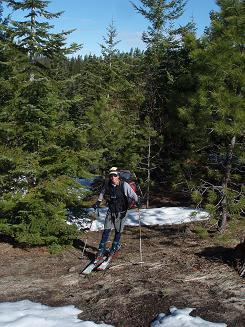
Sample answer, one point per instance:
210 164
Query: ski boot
101 252
115 248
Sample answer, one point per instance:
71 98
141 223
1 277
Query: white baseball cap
113 170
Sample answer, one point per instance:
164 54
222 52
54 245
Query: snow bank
181 318
28 314
154 216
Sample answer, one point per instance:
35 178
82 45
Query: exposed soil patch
179 270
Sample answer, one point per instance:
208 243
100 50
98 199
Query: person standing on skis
118 194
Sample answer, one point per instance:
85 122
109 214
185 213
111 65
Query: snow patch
153 216
182 318
28 314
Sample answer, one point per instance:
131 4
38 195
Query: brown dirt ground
179 270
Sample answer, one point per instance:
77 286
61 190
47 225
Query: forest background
173 114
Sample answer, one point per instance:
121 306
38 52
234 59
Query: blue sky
90 18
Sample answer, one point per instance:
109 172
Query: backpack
127 176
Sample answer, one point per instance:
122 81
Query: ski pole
86 240
141 252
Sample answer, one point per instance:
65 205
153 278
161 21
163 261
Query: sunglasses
113 175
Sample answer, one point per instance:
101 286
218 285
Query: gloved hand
97 205
138 203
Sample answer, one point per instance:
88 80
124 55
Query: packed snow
28 314
154 216
181 318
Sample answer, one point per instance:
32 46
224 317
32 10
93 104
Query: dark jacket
118 196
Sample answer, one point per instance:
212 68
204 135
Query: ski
107 262
93 265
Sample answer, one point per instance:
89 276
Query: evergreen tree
33 34
41 146
161 14
111 64
113 119
168 80
85 87
216 117
109 49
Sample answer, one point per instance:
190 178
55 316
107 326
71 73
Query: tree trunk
148 173
227 173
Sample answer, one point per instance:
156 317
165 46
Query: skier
118 195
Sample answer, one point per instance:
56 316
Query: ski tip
85 273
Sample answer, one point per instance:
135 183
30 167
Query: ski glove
97 205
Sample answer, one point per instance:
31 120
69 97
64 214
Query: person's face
114 179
